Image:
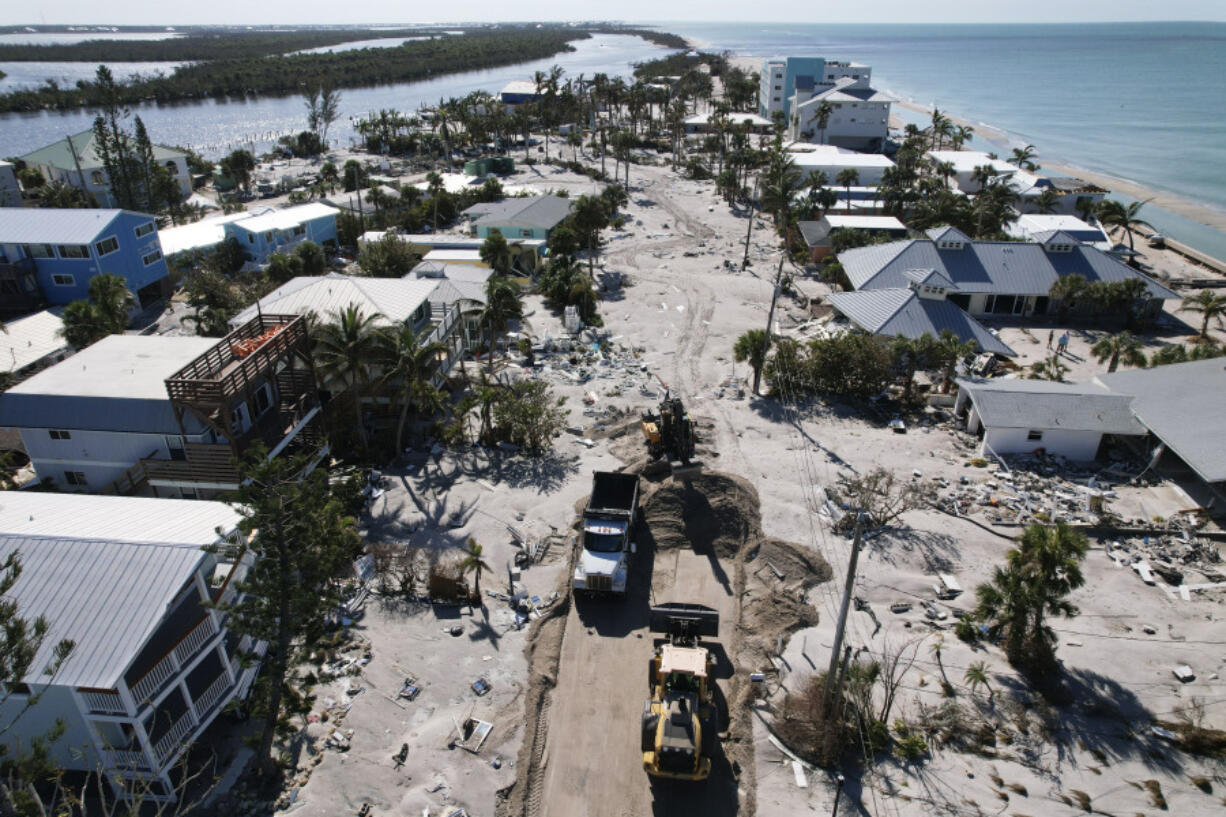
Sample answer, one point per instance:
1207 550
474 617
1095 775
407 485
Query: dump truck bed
613 492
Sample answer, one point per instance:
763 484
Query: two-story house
75 162
269 231
66 248
169 416
127 580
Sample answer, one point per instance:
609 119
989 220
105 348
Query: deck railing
104 703
228 367
194 640
209 698
127 759
160 673
173 739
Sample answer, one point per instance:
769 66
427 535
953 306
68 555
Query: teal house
533 217
264 233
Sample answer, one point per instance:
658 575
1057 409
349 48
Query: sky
229 12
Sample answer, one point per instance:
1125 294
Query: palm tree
110 296
751 347
1033 584
345 348
983 175
502 304
779 185
474 564
1124 347
1047 200
590 217
408 368
435 185
1210 307
962 134
977 676
1023 158
936 648
823 114
949 349
849 177
1051 368
1066 291
496 252
1113 213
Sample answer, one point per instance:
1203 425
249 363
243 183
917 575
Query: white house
701 123
127 580
1040 227
32 343
1016 416
965 162
169 415
831 159
859 116
1067 195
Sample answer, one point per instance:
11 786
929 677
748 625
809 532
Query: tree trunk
277 670
404 414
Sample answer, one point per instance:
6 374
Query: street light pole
838 779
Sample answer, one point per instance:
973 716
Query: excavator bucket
685 620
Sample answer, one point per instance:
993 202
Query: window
63 280
56 434
172 167
97 178
40 251
299 230
152 257
73 251
1034 435
75 478
107 245
263 399
144 229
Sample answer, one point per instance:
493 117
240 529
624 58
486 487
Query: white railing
152 681
104 703
194 640
209 698
173 739
127 759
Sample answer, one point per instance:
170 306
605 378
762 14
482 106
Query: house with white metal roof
169 415
32 343
1006 278
67 248
816 234
1040 227
128 582
701 123
1015 416
966 162
831 159
269 231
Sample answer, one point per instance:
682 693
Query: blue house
69 247
533 217
262 234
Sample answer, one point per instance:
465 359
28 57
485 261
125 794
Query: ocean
1145 102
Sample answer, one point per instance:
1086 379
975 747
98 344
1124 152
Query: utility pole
839 780
749 231
842 625
770 318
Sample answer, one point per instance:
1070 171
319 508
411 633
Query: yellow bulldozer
669 433
680 729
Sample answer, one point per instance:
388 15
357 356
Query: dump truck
680 728
607 540
669 432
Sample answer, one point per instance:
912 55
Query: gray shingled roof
1182 404
1044 404
893 312
996 267
107 596
543 212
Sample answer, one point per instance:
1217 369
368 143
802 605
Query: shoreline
1202 213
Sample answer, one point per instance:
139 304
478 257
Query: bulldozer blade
680 470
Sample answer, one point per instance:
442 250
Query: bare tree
895 663
880 497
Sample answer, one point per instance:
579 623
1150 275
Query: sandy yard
567 690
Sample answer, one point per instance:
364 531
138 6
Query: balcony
211 696
173 739
100 702
238 363
132 759
156 677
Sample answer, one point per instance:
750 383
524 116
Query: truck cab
607 545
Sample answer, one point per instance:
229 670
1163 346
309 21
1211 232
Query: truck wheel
648 729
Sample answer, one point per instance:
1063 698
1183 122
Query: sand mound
709 512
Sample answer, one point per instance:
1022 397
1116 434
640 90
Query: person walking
1051 333
1062 345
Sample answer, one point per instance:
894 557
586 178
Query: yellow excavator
680 729
669 432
